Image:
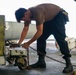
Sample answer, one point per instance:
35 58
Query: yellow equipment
14 56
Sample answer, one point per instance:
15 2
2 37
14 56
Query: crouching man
50 19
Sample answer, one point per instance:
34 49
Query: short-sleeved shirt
44 12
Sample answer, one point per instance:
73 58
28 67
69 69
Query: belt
64 12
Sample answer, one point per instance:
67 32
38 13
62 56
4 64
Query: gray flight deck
53 67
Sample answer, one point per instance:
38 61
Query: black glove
14 45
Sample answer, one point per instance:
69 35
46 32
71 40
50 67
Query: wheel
21 63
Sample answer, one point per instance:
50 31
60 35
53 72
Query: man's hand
14 45
25 45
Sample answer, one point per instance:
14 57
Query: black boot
69 67
40 63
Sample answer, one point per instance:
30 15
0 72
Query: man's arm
37 34
23 34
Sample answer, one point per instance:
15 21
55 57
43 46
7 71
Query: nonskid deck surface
53 67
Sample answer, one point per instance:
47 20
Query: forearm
35 37
22 38
37 34
23 35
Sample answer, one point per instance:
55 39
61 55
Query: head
22 14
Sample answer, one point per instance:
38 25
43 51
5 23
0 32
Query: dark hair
20 14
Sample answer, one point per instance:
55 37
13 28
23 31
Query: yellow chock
74 72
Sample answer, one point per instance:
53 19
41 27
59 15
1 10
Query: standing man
50 19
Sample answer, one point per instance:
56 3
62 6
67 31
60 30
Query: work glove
14 45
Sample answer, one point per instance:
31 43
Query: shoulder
27 23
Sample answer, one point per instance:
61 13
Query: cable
48 56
